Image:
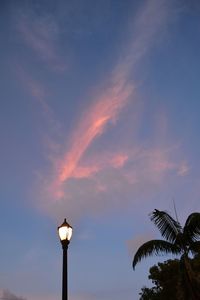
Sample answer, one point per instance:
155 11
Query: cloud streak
109 105
120 169
93 124
41 33
40 95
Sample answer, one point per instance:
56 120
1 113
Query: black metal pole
64 279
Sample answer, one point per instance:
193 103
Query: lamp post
65 234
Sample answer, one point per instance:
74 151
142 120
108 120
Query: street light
65 234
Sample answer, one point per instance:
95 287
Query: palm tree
182 241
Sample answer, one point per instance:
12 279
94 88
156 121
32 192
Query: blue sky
99 123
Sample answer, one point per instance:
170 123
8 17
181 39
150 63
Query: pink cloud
6 294
107 107
119 160
125 171
158 160
85 172
97 163
105 110
152 165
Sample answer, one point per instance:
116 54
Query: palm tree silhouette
178 240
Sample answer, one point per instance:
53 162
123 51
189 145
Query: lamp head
65 232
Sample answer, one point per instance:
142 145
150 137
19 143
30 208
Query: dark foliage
181 241
167 278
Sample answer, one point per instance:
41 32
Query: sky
99 124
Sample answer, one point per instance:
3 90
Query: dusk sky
99 123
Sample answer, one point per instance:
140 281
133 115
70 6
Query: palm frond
192 226
168 227
195 247
155 247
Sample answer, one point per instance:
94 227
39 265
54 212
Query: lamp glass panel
69 233
65 233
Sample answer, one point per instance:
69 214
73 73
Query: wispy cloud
39 93
136 164
183 169
153 165
104 111
41 33
6 294
135 243
97 163
119 160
